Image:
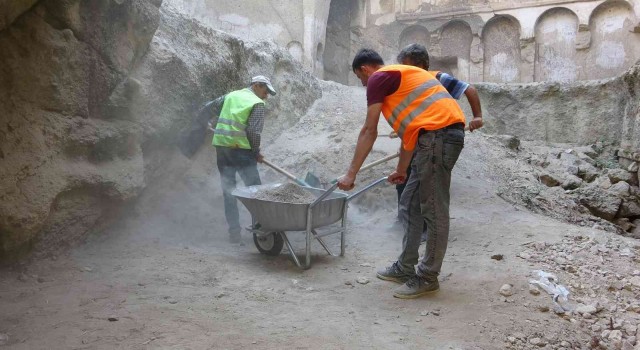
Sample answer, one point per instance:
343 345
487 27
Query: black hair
417 54
366 56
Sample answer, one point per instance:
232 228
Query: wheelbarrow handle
285 173
326 194
366 188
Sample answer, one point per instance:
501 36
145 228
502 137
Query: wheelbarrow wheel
269 244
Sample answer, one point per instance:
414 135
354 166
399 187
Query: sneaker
394 273
416 287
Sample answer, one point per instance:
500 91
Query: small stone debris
366 265
221 294
424 313
506 290
348 283
543 308
534 290
112 319
497 257
362 280
586 309
436 312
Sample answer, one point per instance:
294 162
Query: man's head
366 63
414 55
262 86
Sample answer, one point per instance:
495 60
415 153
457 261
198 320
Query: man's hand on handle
347 182
476 123
397 177
259 158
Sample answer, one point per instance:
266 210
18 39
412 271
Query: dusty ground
172 281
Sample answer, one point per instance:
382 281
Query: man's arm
255 123
366 139
456 88
474 102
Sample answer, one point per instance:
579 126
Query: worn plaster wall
507 40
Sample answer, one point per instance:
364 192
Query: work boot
394 273
416 287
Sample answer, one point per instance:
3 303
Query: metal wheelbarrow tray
272 219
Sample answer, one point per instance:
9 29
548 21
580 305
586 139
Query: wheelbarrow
272 220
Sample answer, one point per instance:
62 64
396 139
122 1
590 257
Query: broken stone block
601 204
571 182
629 209
633 167
620 189
617 175
588 172
624 224
548 180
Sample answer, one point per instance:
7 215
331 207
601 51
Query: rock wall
92 96
580 112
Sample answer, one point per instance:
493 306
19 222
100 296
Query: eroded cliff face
92 96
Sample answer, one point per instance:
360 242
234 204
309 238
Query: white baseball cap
264 80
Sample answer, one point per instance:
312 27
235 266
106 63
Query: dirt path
189 289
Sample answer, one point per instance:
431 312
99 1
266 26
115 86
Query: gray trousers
232 161
425 199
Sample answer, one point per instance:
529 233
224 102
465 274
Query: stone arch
415 34
611 51
455 49
501 40
556 31
296 50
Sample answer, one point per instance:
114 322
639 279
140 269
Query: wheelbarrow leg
292 252
324 245
344 228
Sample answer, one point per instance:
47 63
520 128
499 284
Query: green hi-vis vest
232 123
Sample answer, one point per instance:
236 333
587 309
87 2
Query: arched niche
455 49
501 40
613 46
295 49
415 34
555 34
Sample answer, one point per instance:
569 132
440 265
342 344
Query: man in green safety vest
237 140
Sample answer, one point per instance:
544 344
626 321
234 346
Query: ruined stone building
477 40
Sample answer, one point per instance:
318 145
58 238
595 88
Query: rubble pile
603 279
586 185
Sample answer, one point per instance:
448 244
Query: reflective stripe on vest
423 107
419 103
232 123
230 131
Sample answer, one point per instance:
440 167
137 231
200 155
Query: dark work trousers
425 199
232 161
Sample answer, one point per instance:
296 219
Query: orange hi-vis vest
420 103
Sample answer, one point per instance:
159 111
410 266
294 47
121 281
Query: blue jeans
425 199
231 161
